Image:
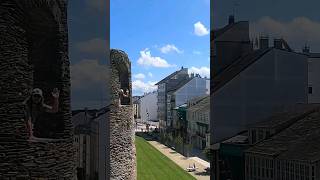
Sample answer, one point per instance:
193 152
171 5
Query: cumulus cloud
200 29
99 5
88 74
296 32
146 59
203 71
139 76
170 48
150 74
96 45
143 87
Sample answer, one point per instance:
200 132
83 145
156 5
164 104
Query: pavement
184 162
141 127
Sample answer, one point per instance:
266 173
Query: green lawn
153 165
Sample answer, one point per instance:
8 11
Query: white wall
314 79
278 78
208 86
148 103
194 88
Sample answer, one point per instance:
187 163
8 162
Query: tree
170 138
208 152
189 148
179 142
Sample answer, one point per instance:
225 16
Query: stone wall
34 52
122 147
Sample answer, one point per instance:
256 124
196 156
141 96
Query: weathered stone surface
122 147
34 53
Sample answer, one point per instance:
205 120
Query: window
253 136
267 134
310 90
124 86
260 135
45 57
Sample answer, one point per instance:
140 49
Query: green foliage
209 153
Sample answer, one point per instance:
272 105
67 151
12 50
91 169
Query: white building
313 76
196 86
279 74
165 85
88 137
136 107
250 84
148 107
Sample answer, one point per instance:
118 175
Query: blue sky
160 37
298 22
87 23
162 33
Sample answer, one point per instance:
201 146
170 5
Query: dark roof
204 102
179 85
288 116
168 77
300 141
237 67
220 31
239 139
234 69
314 55
90 111
81 118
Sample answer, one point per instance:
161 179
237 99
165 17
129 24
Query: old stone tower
122 147
34 53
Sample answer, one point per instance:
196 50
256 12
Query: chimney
264 42
277 43
306 49
231 19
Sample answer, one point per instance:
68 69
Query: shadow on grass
147 136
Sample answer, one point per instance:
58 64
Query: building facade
87 140
164 86
196 86
148 107
198 117
238 88
313 76
290 153
136 107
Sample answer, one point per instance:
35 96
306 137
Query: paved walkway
183 161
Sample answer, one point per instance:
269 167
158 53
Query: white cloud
150 74
203 71
139 76
170 48
143 87
88 73
296 32
95 45
200 29
146 59
99 5
196 52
